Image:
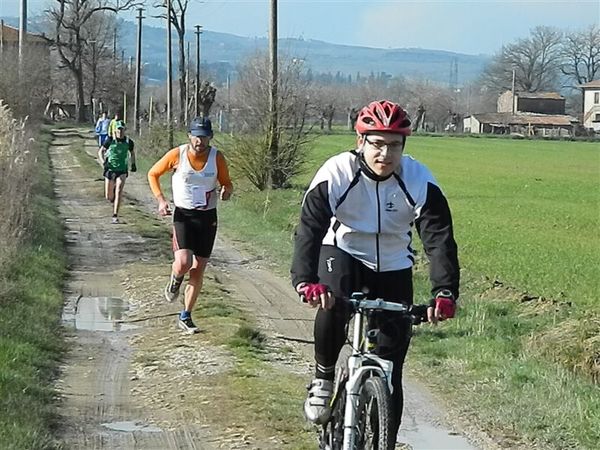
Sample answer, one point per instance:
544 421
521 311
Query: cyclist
355 234
199 170
115 155
102 128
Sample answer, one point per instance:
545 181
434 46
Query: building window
596 97
597 118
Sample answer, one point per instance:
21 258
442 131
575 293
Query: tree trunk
182 87
80 100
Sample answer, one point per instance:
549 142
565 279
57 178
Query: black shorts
194 230
345 274
113 175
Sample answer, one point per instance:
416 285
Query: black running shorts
113 175
194 230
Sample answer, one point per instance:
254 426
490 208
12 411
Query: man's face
199 143
382 151
120 133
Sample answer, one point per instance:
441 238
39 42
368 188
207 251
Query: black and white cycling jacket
371 218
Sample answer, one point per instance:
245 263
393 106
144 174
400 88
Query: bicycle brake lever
418 314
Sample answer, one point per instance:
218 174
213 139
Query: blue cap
201 126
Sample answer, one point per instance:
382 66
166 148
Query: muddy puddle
98 314
423 436
130 426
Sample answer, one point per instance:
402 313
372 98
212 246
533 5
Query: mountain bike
362 414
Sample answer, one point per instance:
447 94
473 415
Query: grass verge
30 309
264 398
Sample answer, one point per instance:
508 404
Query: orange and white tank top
195 189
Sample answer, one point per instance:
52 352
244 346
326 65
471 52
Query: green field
525 212
521 359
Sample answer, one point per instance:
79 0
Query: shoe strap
318 395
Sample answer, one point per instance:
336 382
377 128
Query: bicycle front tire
375 416
332 435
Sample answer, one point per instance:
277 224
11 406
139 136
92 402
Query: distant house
25 88
531 102
527 124
591 105
9 39
525 113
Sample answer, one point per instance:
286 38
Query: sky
472 27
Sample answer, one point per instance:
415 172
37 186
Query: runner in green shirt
114 155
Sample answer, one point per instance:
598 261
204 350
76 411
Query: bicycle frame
362 363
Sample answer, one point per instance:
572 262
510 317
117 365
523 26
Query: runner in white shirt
200 178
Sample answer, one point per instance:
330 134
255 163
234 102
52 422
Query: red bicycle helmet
383 115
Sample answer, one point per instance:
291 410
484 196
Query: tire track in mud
97 408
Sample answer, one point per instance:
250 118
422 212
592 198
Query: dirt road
126 377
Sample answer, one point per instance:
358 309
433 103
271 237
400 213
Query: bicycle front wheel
332 435
375 416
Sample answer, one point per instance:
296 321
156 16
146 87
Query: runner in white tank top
195 189
200 179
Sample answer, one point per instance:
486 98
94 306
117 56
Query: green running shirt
117 156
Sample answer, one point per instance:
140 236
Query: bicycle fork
357 373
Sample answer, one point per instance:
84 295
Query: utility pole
169 76
513 91
114 55
228 94
187 84
273 141
22 31
138 74
197 90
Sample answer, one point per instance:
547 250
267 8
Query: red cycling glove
312 291
444 301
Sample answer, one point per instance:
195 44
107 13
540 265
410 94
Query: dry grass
579 343
15 182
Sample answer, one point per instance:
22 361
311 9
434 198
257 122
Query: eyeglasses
380 145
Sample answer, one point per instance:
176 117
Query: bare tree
177 18
581 55
535 61
97 56
327 100
431 106
250 150
69 18
207 94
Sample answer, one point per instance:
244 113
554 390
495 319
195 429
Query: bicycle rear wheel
375 416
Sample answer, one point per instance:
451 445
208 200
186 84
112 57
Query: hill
320 57
222 52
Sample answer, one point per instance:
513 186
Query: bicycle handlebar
378 305
358 302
